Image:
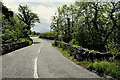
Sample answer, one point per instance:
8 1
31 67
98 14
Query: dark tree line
16 27
93 25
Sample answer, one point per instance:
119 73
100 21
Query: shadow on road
36 42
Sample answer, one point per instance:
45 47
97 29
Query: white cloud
38 0
43 27
12 6
45 11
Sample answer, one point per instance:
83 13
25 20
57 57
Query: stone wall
82 54
11 47
45 37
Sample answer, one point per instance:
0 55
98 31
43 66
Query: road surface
41 60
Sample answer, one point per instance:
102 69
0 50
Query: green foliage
28 17
13 29
5 11
30 41
102 68
74 42
92 24
33 35
25 39
47 34
113 48
53 43
66 53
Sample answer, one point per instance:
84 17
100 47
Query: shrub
33 35
74 42
47 34
113 48
30 41
26 39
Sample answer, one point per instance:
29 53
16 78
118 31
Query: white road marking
50 44
40 48
35 66
35 69
39 51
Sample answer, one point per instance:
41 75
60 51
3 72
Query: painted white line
39 50
35 66
35 69
50 44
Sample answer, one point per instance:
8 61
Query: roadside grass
102 68
33 35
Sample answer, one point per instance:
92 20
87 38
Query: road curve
41 60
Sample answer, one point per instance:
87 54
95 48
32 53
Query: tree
13 29
92 24
28 17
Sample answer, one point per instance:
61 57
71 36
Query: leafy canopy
26 15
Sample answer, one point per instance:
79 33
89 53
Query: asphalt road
41 60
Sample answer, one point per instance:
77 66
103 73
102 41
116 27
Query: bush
26 39
47 34
74 42
113 48
53 43
30 41
33 35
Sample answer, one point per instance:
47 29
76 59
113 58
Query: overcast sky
44 8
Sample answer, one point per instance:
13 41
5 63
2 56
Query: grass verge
102 68
33 35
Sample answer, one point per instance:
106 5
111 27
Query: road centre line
40 48
39 51
35 66
50 44
35 69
